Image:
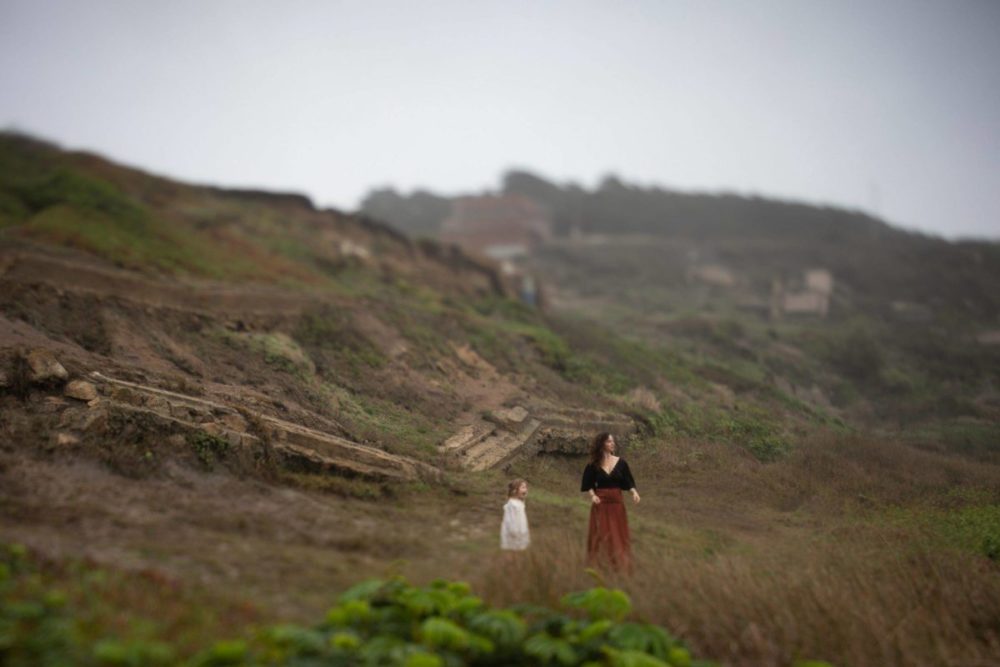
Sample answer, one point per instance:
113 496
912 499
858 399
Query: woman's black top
594 477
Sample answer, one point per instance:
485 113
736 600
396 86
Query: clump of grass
513 336
208 448
265 461
644 399
761 435
278 349
371 419
67 186
747 426
973 529
332 333
975 438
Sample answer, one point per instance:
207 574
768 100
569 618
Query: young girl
514 529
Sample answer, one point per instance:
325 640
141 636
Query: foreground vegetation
374 623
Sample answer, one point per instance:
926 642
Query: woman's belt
609 495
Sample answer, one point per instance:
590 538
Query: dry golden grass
767 564
857 602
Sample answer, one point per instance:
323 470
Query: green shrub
857 354
975 528
757 432
747 426
65 186
991 547
391 622
331 330
208 447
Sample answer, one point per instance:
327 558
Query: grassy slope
862 364
826 550
898 351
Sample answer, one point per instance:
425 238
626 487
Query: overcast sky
884 105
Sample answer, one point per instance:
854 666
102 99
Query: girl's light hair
513 485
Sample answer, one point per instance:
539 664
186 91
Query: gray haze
892 107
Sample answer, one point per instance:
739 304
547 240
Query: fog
890 107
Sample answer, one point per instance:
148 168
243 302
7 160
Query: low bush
376 622
748 427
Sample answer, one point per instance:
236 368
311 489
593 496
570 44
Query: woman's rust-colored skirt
608 541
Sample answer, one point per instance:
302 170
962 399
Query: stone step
511 418
499 447
506 432
467 437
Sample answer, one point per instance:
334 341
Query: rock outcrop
507 433
44 368
292 446
81 390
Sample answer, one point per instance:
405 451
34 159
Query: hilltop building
502 227
811 297
715 275
505 228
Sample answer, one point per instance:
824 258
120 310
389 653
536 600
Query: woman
604 479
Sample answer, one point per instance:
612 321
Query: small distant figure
514 534
529 292
604 479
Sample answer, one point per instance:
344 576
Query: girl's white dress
514 529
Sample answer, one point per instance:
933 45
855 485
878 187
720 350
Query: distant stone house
806 303
989 337
811 297
819 281
505 228
711 274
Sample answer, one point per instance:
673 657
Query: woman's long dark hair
597 448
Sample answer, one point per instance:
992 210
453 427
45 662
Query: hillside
903 341
338 316
219 409
879 262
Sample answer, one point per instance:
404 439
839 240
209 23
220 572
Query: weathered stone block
44 368
81 390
